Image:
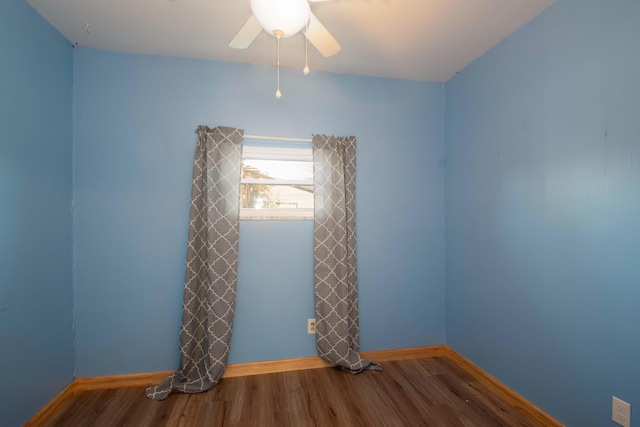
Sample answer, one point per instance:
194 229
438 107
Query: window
277 180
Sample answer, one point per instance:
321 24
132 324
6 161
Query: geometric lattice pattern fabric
336 276
212 260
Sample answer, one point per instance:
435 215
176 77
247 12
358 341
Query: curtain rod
276 138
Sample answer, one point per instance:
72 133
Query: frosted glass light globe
288 16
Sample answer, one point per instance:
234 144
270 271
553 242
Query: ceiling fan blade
321 38
247 34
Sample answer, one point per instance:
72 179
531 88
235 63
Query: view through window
277 180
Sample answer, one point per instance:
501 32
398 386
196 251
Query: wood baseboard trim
315 362
500 389
274 366
50 409
144 379
405 353
255 368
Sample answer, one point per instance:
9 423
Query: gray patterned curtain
336 276
212 259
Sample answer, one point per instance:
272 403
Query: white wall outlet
311 326
621 412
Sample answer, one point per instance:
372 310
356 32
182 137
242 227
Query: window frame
278 151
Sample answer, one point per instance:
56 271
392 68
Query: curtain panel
212 260
336 276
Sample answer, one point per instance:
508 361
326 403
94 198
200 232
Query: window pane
277 169
277 181
256 196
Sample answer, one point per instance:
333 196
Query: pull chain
278 34
306 51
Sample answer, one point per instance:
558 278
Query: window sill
247 214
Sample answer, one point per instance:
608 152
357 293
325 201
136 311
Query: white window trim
254 152
275 214
266 152
258 181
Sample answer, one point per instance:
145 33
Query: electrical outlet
311 326
621 412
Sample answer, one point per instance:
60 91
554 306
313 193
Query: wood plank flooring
420 392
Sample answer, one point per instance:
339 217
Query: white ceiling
407 39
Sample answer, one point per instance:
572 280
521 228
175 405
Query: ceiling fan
285 18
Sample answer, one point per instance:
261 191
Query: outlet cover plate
621 412
311 326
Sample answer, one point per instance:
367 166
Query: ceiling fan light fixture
288 16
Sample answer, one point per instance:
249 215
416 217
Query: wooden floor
421 392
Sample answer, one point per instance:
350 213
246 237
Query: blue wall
543 210
134 140
36 351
